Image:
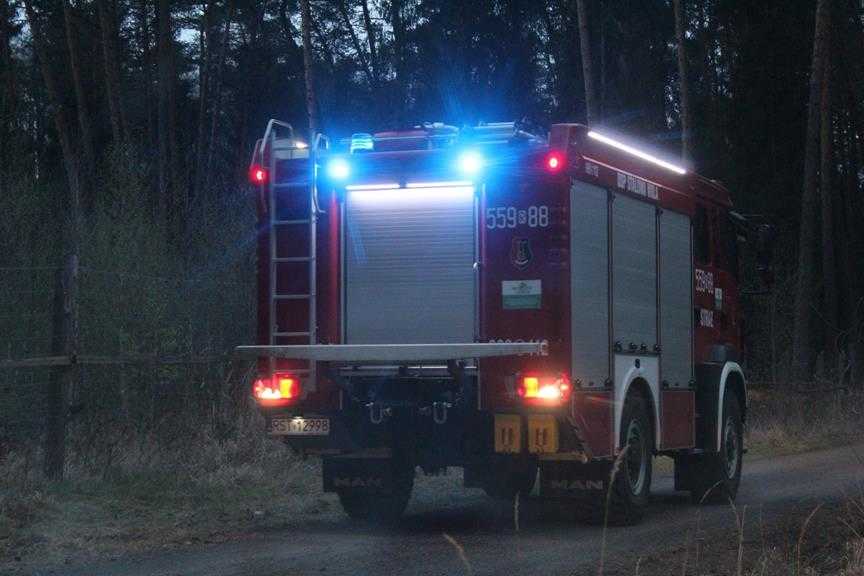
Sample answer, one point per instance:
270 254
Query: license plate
300 426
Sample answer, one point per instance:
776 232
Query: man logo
576 485
520 253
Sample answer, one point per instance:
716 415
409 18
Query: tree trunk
170 187
61 123
109 33
84 122
853 44
603 67
8 99
683 82
311 102
802 345
829 261
398 24
216 90
150 125
854 299
591 115
853 287
370 39
355 41
65 317
203 93
165 80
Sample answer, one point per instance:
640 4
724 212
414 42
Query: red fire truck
527 308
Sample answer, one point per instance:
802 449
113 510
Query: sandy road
488 539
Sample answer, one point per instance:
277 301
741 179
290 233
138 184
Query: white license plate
300 426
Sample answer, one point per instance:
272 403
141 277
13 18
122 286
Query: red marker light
544 390
257 174
554 161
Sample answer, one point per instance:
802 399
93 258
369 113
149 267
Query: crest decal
520 253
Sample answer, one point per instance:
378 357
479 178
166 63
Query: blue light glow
338 169
471 162
362 142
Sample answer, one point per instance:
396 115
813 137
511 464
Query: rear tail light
554 161
278 389
258 174
546 390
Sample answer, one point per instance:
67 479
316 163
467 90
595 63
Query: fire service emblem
520 252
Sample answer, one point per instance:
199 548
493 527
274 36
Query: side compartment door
590 314
676 330
634 297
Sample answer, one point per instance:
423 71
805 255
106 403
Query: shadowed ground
450 531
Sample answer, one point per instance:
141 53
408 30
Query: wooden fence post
64 342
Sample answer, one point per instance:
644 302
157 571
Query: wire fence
154 359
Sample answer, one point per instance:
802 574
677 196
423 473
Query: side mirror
765 235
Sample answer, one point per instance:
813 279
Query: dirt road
482 539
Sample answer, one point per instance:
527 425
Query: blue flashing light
338 169
362 142
471 162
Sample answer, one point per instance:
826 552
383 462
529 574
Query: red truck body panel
523 221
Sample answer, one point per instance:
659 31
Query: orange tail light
279 389
544 390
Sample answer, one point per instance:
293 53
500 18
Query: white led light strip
457 183
388 186
636 152
437 193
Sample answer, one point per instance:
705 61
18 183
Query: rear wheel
716 476
384 509
627 494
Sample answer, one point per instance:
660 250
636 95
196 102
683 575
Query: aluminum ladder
279 227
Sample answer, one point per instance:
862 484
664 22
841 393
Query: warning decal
521 294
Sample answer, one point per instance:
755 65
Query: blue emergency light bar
362 142
338 169
470 163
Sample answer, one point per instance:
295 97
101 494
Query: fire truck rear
531 309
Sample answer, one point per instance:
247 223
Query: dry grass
207 492
821 541
789 422
203 490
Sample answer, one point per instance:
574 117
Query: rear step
399 353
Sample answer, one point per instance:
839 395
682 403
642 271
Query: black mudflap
360 475
565 479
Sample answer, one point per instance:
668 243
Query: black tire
716 476
381 509
627 494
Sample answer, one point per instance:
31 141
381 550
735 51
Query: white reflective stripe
728 368
648 370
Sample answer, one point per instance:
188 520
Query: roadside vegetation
144 496
824 540
784 421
